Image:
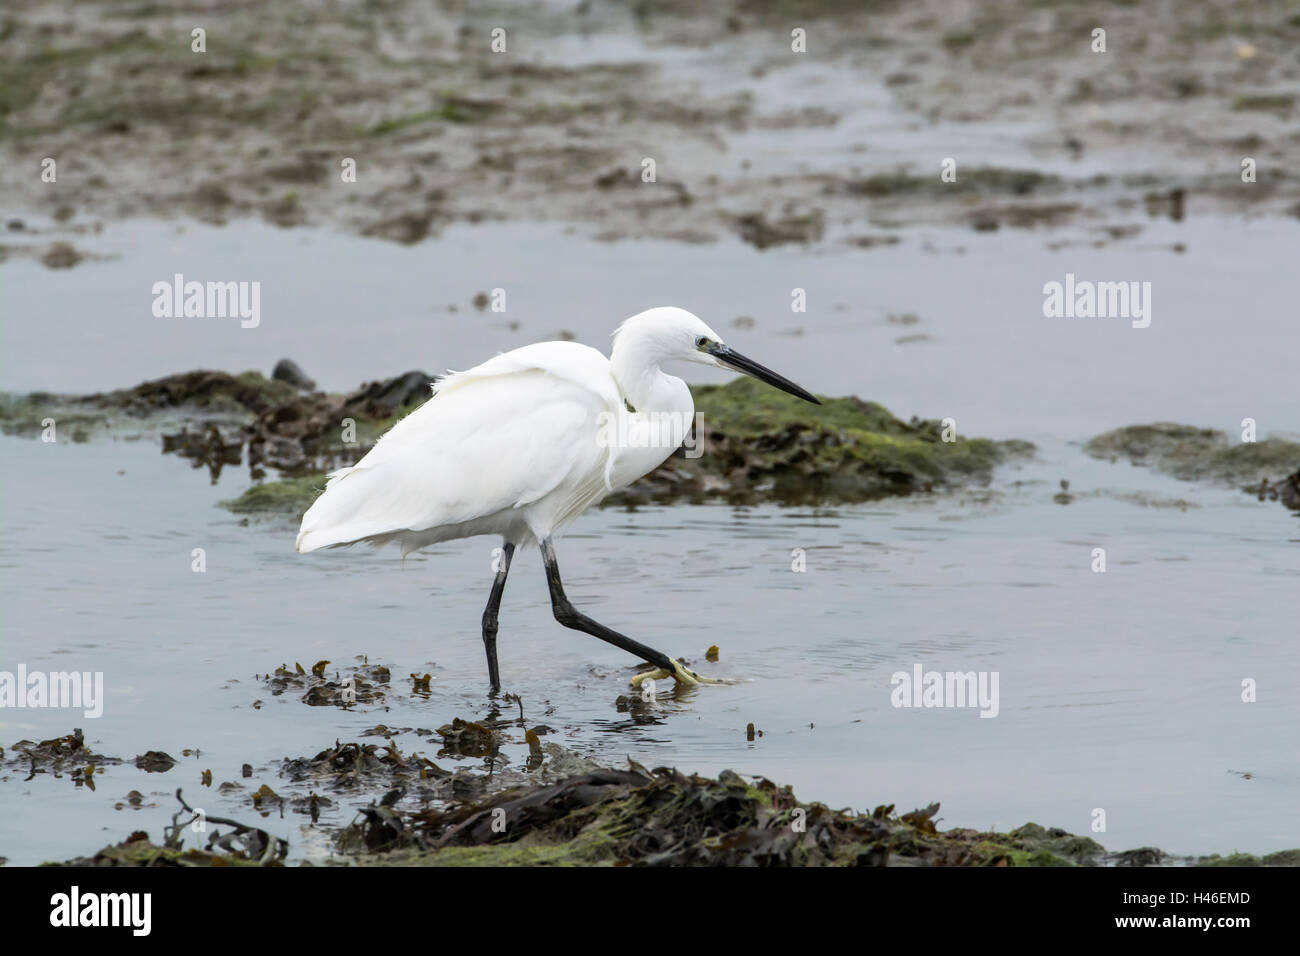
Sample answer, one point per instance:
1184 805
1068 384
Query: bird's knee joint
567 615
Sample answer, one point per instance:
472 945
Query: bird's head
670 333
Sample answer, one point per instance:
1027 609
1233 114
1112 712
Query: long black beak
734 360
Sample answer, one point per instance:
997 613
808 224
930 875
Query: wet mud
440 128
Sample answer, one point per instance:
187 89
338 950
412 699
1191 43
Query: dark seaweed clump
666 818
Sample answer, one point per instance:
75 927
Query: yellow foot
680 673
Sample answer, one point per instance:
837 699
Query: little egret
520 446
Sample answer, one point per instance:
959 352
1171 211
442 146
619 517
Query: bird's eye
701 341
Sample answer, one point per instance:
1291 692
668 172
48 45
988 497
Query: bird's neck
648 388
663 414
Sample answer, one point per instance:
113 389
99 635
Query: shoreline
746 446
541 133
566 810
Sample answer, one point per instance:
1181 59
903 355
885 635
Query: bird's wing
494 437
579 364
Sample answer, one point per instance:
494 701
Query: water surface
1119 691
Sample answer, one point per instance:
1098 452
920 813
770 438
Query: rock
284 212
758 445
871 242
381 399
407 228
211 391
287 370
61 255
1290 493
755 443
761 232
155 761
213 193
1197 454
618 176
1286 491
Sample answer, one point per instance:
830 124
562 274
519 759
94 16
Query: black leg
490 616
569 616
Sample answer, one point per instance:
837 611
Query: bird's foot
680 673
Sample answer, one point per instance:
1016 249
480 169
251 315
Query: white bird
524 443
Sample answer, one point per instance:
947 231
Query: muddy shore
441 129
559 810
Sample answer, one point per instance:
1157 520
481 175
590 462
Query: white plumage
513 447
524 443
493 440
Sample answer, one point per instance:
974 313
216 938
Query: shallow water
1118 691
1220 347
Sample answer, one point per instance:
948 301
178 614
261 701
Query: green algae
664 817
753 407
291 496
1195 454
846 449
756 444
1280 858
1264 102
958 39
451 109
24 72
634 816
398 123
1043 844
983 179
140 852
759 444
